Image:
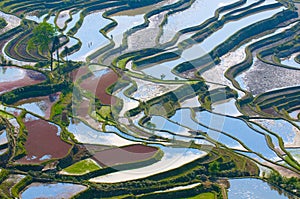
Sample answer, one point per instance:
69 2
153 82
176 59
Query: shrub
3 23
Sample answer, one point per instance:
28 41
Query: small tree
214 167
43 35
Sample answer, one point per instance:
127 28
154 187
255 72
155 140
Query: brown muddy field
98 86
31 77
42 140
77 73
124 155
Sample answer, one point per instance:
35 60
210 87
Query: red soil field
271 111
43 140
30 78
98 86
77 73
123 155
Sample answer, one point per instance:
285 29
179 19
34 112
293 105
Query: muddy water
97 84
123 155
43 141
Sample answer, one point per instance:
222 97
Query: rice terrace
147 99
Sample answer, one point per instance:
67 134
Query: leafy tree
214 167
43 35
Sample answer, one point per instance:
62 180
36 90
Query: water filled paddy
186 18
40 106
182 119
284 129
62 18
99 82
128 103
173 158
291 61
71 24
13 77
125 22
90 36
85 134
3 137
36 18
252 188
240 130
57 190
225 32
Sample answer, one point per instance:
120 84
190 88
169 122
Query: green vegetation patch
289 184
82 167
105 112
5 115
3 23
204 196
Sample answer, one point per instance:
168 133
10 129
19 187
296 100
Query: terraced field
150 99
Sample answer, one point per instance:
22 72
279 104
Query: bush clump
3 23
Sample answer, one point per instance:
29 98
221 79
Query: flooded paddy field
40 106
98 84
13 77
64 190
